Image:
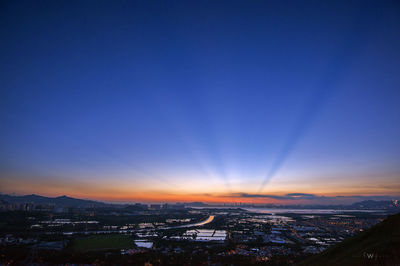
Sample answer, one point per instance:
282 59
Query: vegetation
101 242
378 245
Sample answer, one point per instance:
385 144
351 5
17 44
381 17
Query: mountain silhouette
63 201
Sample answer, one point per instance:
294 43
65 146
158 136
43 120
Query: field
102 242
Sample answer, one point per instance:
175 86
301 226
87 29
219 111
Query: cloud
301 195
290 196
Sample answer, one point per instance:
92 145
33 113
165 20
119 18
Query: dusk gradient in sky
214 101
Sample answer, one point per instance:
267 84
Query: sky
213 101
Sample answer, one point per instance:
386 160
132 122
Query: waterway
207 221
304 211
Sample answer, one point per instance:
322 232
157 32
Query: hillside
380 245
58 201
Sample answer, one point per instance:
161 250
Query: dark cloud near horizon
292 196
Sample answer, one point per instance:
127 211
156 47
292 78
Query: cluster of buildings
7 206
165 206
35 207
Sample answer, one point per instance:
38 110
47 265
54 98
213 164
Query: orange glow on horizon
120 193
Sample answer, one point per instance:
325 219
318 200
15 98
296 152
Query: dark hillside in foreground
379 245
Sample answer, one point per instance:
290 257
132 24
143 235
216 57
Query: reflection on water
301 211
203 235
144 244
269 219
208 220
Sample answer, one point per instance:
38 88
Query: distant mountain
373 204
62 201
379 245
197 204
362 205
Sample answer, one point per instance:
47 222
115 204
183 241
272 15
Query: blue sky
200 97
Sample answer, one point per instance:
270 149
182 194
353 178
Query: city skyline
261 102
